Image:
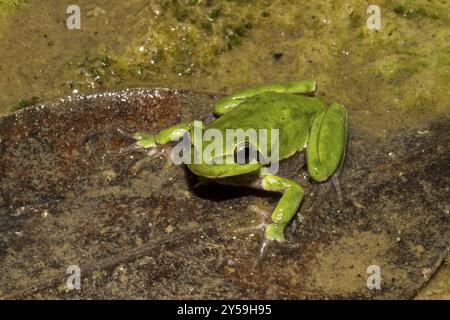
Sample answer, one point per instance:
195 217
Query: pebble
419 249
169 229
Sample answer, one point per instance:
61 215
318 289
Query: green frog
302 123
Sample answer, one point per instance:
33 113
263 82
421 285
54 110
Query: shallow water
392 79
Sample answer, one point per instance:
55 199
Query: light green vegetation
10 3
23 103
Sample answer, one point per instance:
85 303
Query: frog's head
220 160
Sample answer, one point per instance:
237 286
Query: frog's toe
273 234
264 246
152 154
254 228
131 148
292 227
125 134
143 142
337 188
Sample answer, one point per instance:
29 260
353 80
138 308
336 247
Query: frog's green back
291 114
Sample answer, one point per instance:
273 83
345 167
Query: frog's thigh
230 102
326 144
286 207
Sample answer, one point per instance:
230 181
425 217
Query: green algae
24 103
410 11
7 9
225 45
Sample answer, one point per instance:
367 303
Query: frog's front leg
150 144
286 208
146 142
230 102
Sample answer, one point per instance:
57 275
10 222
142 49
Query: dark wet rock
67 198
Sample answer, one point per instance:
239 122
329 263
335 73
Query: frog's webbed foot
273 232
263 249
141 143
271 235
337 187
127 135
260 227
266 243
146 161
265 220
153 152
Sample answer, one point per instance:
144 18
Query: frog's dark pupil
244 154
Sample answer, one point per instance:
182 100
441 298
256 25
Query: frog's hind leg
143 142
337 187
327 143
163 152
230 102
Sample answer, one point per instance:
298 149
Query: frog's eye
245 153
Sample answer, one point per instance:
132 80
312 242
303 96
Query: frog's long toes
264 246
142 142
259 227
155 152
144 162
125 134
337 187
131 148
292 227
